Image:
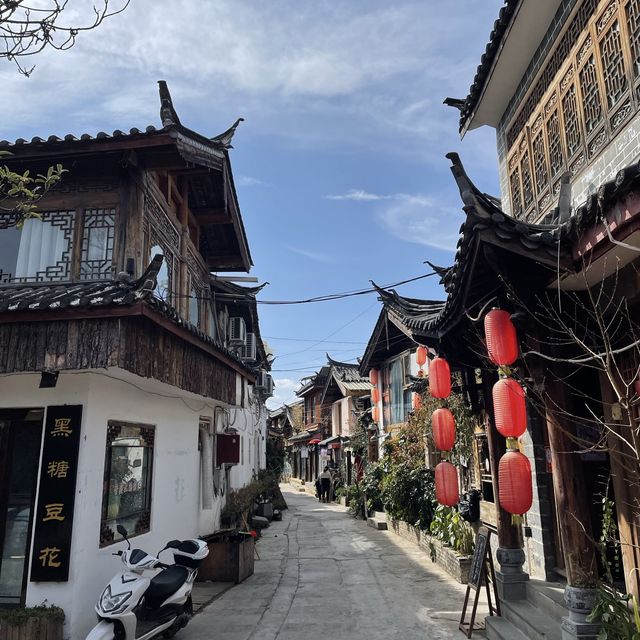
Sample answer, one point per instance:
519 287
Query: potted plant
32 623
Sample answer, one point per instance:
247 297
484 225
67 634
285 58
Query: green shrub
19 616
449 527
409 494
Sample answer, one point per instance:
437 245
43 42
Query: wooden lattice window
554 143
591 104
516 192
585 88
615 78
540 161
527 180
96 260
632 15
572 129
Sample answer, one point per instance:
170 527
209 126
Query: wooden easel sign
480 574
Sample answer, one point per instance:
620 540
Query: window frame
77 239
523 129
143 525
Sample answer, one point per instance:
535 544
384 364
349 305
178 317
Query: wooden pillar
572 508
624 476
184 271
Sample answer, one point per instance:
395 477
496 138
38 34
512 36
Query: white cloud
250 181
284 392
318 256
359 195
422 221
358 72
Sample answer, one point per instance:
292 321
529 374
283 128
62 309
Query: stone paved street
324 575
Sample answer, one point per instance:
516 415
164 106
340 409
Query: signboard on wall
304 452
53 521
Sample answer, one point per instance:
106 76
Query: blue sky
340 163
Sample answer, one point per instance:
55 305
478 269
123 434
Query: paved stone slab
324 575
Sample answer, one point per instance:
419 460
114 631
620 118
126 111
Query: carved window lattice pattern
615 78
540 162
556 156
632 15
572 132
60 271
98 231
558 57
527 181
161 232
516 193
592 79
592 107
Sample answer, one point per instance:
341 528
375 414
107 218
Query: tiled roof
119 293
500 27
170 125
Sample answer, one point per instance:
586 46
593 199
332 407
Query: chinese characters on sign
53 520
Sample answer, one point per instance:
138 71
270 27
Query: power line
313 340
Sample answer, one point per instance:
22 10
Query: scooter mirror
122 531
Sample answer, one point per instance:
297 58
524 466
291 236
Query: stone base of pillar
580 603
511 580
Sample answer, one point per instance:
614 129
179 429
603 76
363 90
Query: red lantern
375 395
421 356
417 401
375 414
447 484
444 429
514 483
510 408
501 337
439 378
373 377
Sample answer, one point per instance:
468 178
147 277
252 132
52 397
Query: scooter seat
166 583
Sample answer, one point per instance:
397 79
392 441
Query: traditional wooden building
391 350
559 250
123 363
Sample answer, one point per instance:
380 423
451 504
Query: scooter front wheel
102 631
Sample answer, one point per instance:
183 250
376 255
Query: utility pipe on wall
207 469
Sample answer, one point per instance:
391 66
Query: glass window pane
38 252
127 487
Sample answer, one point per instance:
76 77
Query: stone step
377 523
501 629
547 596
534 623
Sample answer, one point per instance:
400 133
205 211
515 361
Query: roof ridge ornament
168 115
225 138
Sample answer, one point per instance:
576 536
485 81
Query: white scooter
139 606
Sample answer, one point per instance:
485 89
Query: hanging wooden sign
53 521
481 573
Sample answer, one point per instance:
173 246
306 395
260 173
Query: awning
332 440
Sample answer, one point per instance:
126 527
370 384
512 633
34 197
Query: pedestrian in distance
325 485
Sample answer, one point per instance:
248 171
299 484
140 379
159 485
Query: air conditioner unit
248 350
269 385
262 381
237 331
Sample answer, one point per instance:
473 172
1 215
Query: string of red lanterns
444 431
515 491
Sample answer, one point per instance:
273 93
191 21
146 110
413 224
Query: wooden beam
211 216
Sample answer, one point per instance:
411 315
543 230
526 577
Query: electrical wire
324 298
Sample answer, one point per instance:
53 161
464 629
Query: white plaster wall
176 510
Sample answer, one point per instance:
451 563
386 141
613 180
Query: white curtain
41 246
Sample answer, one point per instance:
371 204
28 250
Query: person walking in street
325 484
